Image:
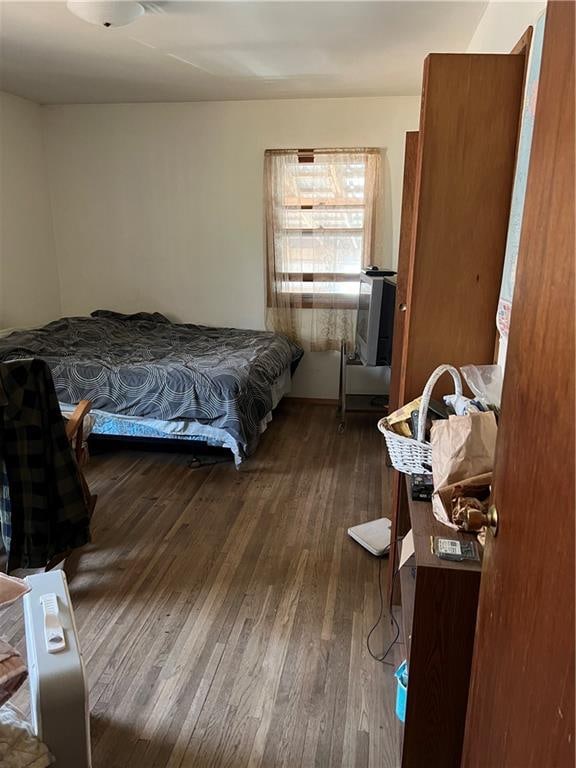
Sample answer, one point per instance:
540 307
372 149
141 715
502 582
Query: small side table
439 606
355 401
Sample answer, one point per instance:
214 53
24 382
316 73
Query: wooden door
521 706
405 271
469 122
400 343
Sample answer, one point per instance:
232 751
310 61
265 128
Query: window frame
302 299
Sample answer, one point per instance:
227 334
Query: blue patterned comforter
144 365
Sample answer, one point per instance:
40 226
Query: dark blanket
144 365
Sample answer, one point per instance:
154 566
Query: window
320 208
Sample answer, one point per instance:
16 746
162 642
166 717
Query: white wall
160 206
29 291
500 28
503 24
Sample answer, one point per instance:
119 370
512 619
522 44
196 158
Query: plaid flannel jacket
43 510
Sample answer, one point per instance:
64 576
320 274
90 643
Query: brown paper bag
448 493
462 447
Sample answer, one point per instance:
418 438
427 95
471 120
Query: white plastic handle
427 394
53 630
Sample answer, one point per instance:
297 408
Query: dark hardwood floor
223 615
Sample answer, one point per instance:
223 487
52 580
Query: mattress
116 425
143 366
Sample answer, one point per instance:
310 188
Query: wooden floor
223 614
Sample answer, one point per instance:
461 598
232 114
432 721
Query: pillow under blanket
109 314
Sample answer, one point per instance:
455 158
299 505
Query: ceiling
192 51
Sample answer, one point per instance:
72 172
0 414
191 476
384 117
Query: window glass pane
323 253
319 221
328 179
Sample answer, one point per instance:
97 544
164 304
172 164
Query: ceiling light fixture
106 14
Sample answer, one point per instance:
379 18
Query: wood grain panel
468 134
440 657
521 711
223 615
439 615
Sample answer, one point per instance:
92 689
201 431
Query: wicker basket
414 457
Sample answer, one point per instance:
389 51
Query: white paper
407 548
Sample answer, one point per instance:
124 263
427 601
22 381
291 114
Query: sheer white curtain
322 226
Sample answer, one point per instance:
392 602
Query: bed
149 377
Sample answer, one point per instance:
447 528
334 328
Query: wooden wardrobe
458 176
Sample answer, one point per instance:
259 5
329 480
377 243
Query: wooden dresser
439 603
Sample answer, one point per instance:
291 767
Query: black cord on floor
199 461
382 657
